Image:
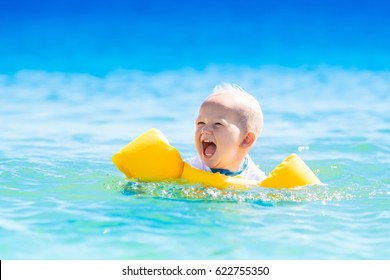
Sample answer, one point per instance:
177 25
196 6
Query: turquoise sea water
62 198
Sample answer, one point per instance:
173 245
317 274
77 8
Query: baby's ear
249 140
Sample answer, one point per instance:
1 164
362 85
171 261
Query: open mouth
209 148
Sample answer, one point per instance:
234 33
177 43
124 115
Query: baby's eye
199 123
218 123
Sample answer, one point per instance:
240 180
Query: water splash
262 196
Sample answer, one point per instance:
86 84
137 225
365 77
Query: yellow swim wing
150 157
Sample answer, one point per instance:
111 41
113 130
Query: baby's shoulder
253 172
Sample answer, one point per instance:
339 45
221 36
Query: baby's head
228 124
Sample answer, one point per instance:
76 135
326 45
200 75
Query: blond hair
252 115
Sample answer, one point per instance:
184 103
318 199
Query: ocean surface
99 36
62 198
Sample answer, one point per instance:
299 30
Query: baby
228 124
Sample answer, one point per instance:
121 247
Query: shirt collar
231 173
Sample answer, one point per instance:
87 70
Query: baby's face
218 134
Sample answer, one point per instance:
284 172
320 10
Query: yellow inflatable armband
150 157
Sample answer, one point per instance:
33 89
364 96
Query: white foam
297 103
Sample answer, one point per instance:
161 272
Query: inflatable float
150 158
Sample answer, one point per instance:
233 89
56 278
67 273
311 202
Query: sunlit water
62 198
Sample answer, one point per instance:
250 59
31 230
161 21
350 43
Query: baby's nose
206 129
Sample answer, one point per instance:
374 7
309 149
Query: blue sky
101 36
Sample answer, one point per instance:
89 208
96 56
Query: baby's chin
211 162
